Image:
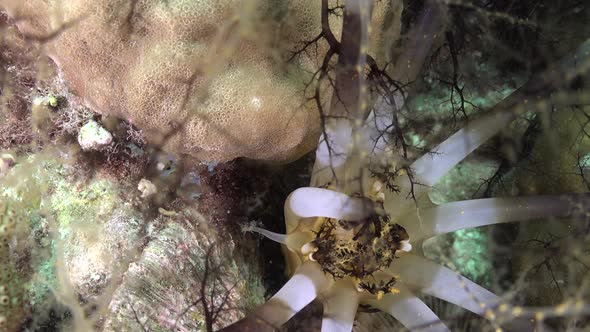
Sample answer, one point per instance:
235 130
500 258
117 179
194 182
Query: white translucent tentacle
429 168
303 287
438 281
410 311
280 238
332 152
294 241
310 202
378 127
340 306
450 217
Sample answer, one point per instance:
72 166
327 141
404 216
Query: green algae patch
464 181
22 250
81 205
71 227
468 249
471 255
45 279
435 98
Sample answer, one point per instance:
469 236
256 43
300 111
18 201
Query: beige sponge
207 78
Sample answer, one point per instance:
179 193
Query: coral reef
205 78
449 188
75 243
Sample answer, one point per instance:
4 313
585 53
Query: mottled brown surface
17 77
195 77
204 78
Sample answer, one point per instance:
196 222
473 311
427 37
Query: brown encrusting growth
18 77
230 191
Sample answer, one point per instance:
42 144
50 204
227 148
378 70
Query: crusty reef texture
206 78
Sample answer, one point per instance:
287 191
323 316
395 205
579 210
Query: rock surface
93 136
84 245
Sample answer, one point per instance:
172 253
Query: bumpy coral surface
199 77
11 309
